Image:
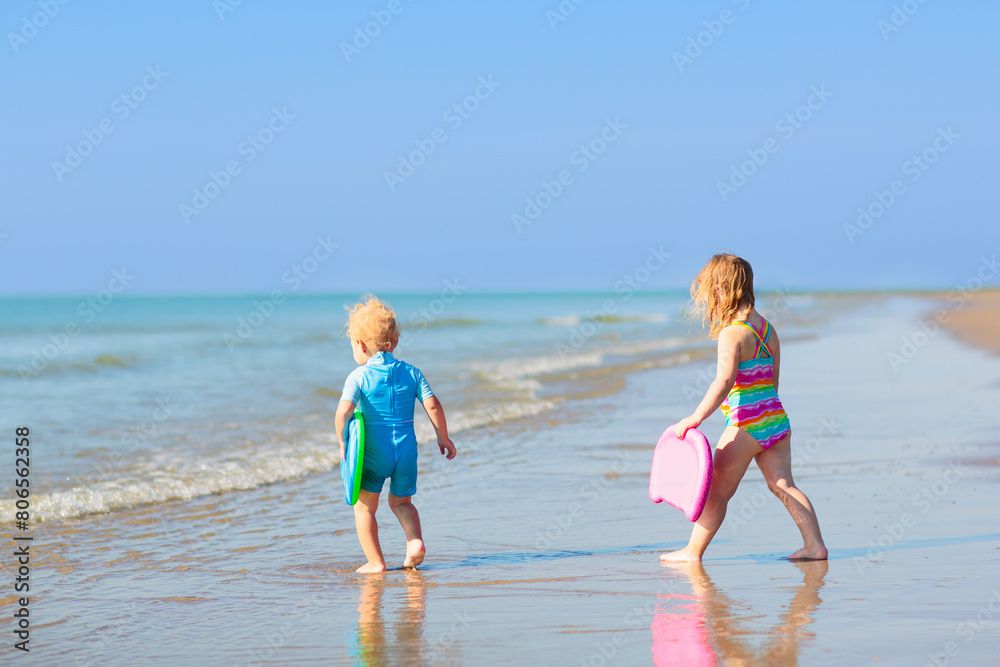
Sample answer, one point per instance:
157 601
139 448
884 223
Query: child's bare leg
733 454
409 519
367 526
776 464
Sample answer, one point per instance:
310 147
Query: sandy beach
978 321
543 545
198 196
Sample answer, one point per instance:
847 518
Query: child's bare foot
809 553
684 555
372 568
414 553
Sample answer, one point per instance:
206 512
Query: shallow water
157 399
543 545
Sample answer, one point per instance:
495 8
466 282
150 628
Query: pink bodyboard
682 471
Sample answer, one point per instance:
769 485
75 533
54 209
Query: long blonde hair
734 275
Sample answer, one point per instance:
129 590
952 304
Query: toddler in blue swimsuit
385 390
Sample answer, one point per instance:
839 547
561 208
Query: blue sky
205 89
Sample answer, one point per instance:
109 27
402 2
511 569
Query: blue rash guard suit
385 390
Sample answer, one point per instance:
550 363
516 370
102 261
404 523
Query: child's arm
432 406
725 377
344 411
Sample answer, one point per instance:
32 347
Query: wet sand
543 546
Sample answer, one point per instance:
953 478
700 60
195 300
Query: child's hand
343 452
685 424
447 448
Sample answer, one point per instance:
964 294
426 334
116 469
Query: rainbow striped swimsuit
753 403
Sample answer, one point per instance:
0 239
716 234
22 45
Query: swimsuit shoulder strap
766 329
761 340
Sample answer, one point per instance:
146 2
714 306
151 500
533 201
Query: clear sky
647 111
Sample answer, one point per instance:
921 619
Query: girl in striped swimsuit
746 388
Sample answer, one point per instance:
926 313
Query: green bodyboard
354 458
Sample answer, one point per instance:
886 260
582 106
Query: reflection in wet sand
702 629
405 643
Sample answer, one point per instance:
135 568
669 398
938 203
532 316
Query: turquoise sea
151 399
187 506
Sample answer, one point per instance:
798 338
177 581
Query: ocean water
158 399
189 508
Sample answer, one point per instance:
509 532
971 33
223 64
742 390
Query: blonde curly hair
373 322
734 275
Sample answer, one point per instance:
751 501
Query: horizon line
917 291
